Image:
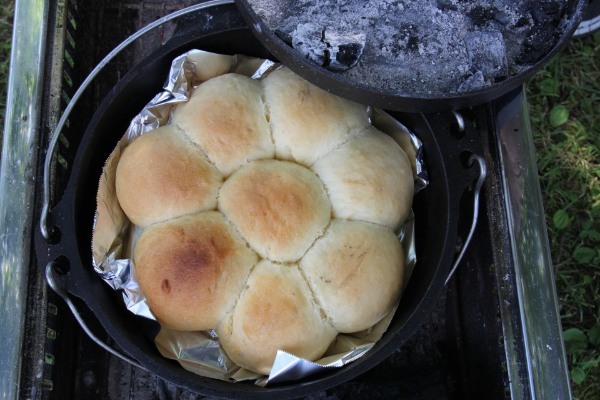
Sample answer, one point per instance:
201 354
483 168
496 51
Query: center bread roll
279 207
267 212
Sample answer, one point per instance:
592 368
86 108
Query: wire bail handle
474 158
47 232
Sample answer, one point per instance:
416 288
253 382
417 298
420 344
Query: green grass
6 17
565 115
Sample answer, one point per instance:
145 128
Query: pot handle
476 191
58 289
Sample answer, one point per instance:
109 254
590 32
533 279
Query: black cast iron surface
394 91
457 353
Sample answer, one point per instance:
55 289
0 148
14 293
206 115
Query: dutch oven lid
414 56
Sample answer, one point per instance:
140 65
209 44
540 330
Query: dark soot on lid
429 47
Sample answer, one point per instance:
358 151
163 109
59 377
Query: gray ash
334 50
473 82
487 53
430 47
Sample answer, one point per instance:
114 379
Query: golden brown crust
161 175
225 116
199 268
356 272
192 269
369 178
308 122
274 312
279 207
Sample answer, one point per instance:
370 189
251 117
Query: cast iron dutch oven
554 22
435 208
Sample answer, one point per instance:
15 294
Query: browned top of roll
368 178
162 175
267 212
225 116
356 272
279 207
192 270
308 122
274 312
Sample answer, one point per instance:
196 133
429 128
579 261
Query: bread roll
275 312
370 179
192 269
208 65
225 116
400 134
162 175
308 122
356 272
268 211
279 207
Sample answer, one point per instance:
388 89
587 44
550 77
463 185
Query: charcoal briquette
407 38
446 5
345 48
552 7
348 54
481 15
334 50
502 18
306 38
536 44
522 22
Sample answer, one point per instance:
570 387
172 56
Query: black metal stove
494 333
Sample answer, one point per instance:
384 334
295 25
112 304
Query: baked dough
279 207
308 122
370 179
155 185
225 116
192 269
208 65
267 212
275 312
356 272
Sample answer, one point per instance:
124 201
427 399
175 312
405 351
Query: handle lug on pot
58 289
460 121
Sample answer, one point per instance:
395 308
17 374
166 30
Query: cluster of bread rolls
268 210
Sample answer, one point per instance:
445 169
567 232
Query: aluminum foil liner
114 236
